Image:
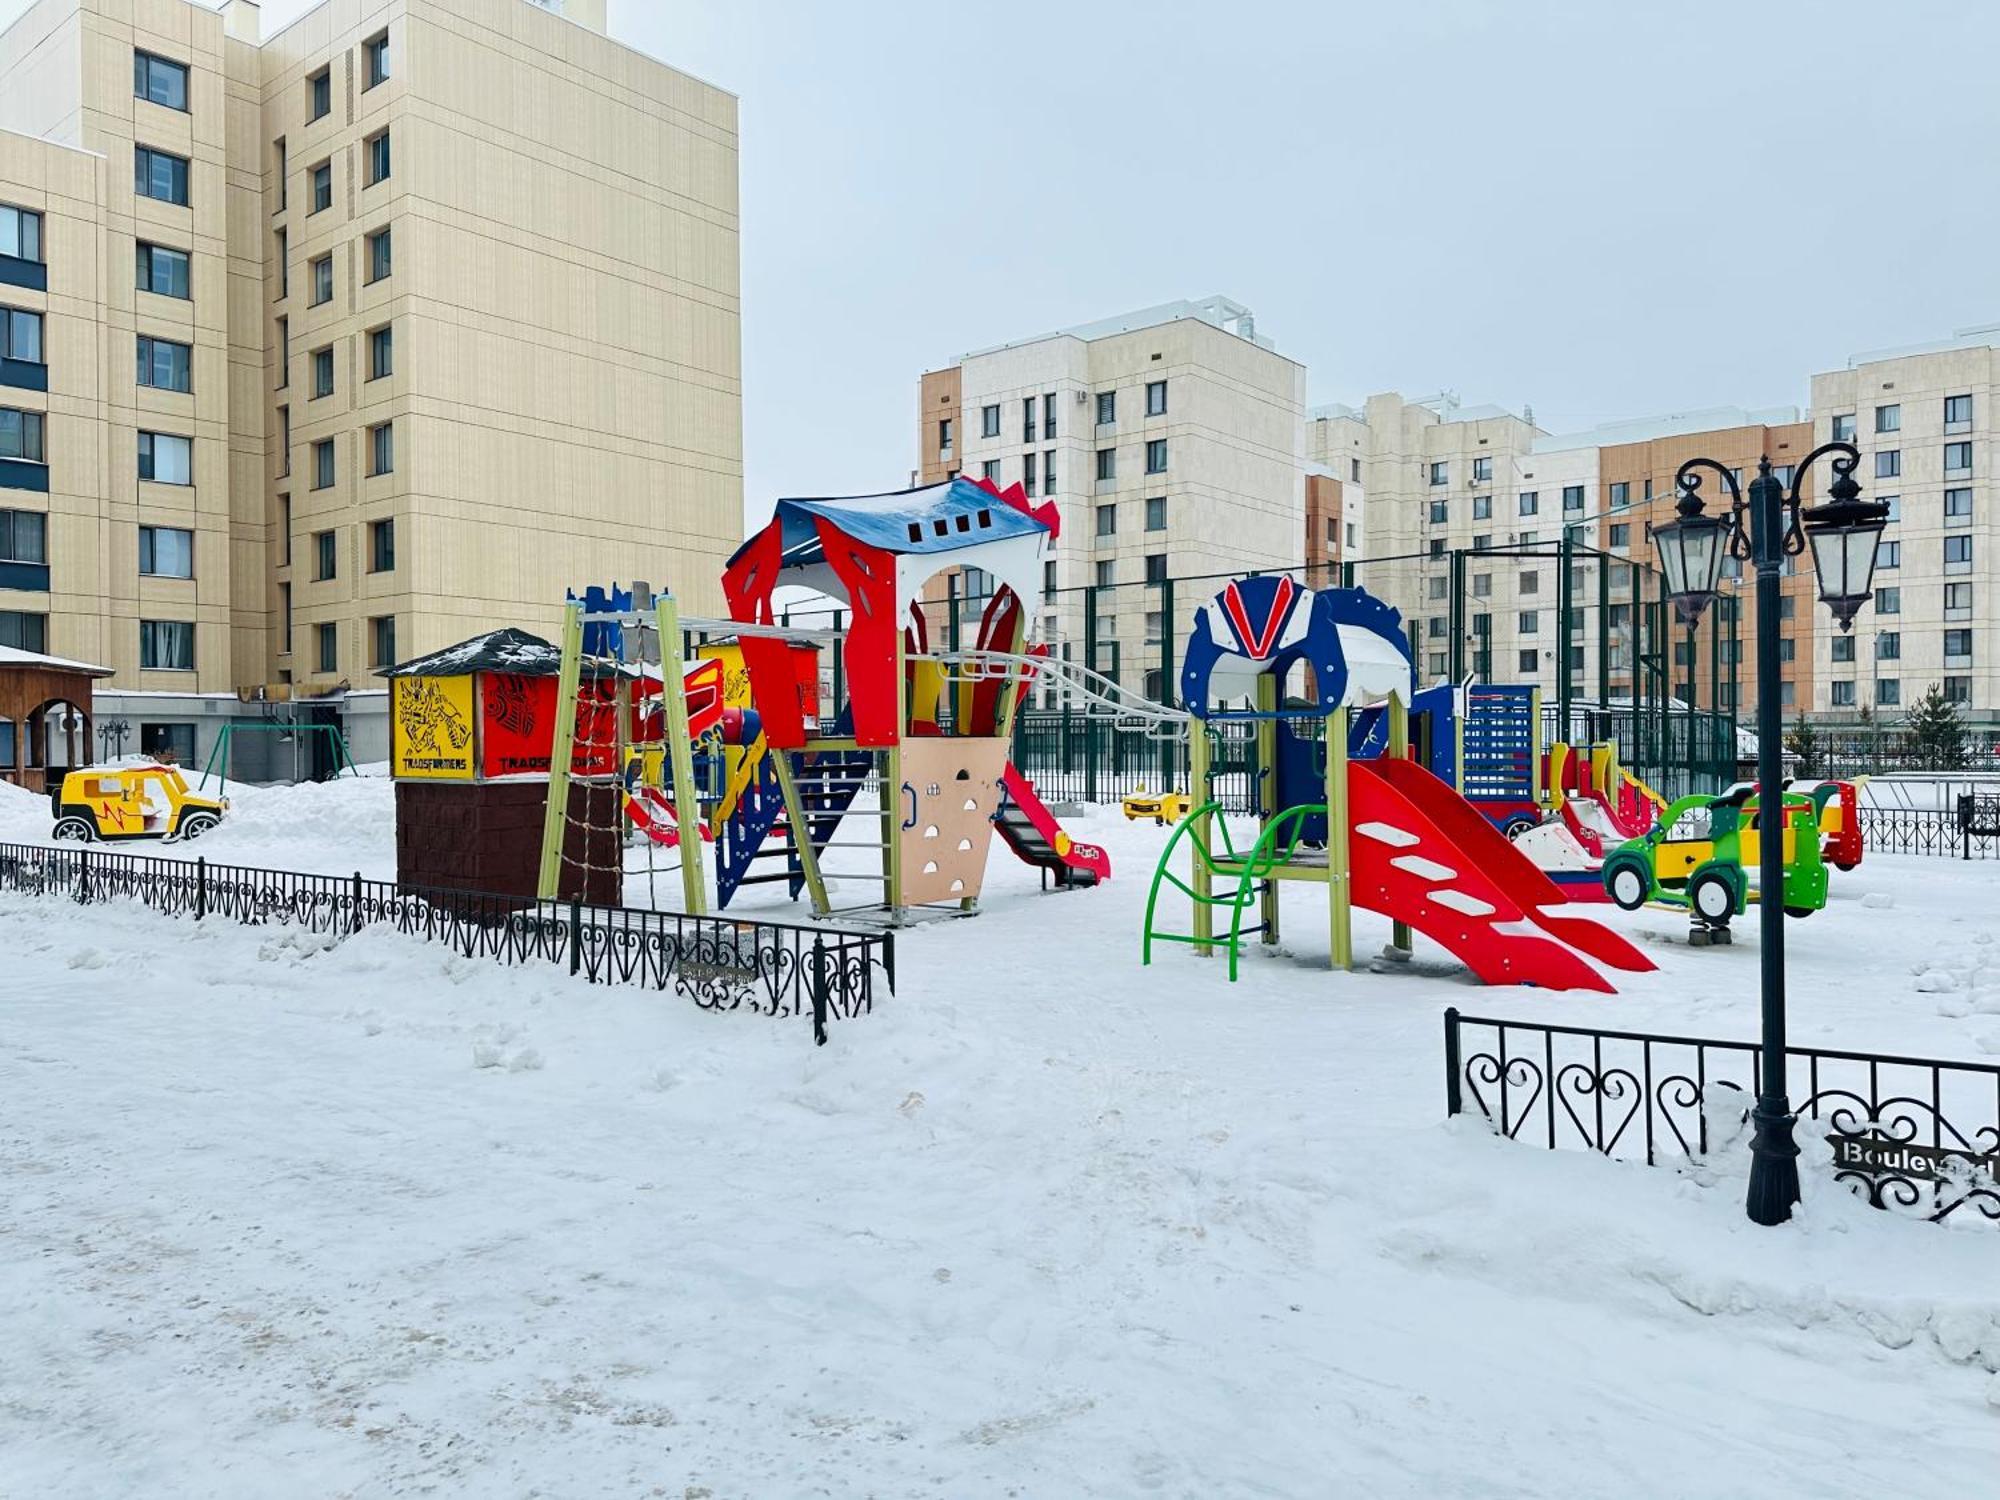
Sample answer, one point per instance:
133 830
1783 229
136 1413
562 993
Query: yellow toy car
131 802
1162 807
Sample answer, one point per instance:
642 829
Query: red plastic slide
1422 854
1033 833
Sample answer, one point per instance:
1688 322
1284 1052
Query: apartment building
1172 440
435 315
1924 419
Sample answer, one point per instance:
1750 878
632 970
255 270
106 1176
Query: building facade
1171 439
357 339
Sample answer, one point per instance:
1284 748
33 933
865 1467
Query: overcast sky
1605 208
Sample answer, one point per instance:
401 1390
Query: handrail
1083 684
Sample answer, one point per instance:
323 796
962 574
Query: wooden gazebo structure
32 687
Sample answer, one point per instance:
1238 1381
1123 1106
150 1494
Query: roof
935 518
11 657
504 650
1218 312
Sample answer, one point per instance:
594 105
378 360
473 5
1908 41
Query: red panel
775 685
518 726
870 649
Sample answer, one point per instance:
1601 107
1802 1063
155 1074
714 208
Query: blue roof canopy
936 518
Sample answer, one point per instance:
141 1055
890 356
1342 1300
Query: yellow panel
431 728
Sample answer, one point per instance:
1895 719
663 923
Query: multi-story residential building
432 315
1172 439
1925 421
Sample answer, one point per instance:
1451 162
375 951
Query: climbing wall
951 789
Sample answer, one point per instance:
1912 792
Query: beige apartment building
1172 440
1924 419
435 309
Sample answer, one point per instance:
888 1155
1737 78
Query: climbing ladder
1278 849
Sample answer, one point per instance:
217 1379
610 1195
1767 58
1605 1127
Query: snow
286 1215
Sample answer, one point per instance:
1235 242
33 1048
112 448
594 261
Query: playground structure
112 804
217 764
912 780
1378 830
1697 857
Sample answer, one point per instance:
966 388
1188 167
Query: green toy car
1697 857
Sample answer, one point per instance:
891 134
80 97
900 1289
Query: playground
1135 1177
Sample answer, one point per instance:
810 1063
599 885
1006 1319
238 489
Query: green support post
680 754
1204 838
555 818
1339 897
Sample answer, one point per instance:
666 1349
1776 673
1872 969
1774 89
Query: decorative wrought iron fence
772 968
1914 1134
1905 830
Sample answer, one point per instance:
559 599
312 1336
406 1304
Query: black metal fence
1913 1134
772 968
1903 830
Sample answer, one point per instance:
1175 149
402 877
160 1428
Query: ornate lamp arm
1687 480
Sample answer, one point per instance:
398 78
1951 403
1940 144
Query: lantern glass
1845 546
1689 550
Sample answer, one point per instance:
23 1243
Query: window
1440 473
284 261
1028 419
1889 601
1049 472
1530 660
166 552
23 631
1107 408
280 159
160 174
1843 692
1889 418
1888 692
375 60
377 147
284 531
319 95
1156 456
1843 648
284 343
1683 653
1787 693
1572 499
382 448
1958 413
1107 465
1482 469
1888 554
326 555
322 280
1895 504
1156 567
24 537
1958 690
1531 582
166 645
160 80
1048 577
285 620
1957 460
163 271
21 435
1958 601
20 335
323 464
1437 546
1441 512
1437 663
166 459
1958 648
1889 464
382 364
382 640
989 468
165 365
1958 507
1480 543
1156 398
1531 503
382 546
944 437
1438 587
320 180
989 416
328 637
1107 520
1530 622
1156 513
1482 585
1620 494
1621 534
1788 605
1888 645
322 372
1843 428
1958 554
1028 470
1106 574
284 441
1482 508
20 233
381 256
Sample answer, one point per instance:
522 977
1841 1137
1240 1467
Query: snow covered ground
369 1219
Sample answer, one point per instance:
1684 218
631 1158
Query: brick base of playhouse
487 836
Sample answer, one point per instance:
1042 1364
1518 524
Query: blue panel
28 273
18 474
936 518
1500 733
31 576
25 376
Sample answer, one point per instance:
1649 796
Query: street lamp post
1843 534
